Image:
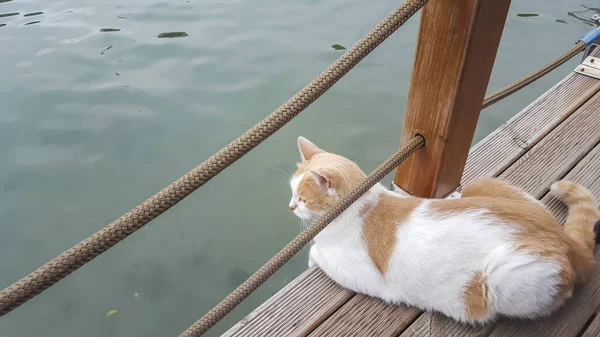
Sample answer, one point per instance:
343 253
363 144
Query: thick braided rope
69 261
260 276
534 76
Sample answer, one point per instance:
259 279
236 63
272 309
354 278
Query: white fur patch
299 208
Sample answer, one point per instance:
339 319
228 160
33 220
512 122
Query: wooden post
456 49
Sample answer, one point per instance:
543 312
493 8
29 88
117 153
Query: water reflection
151 278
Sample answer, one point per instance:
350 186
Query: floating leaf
172 35
338 47
33 14
1 1
112 312
32 23
107 48
527 15
561 21
8 14
104 30
2 24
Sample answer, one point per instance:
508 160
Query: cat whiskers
288 173
305 223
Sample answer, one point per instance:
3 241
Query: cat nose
292 207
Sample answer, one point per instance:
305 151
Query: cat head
321 180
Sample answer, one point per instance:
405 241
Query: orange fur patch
537 233
315 200
537 230
495 188
583 211
380 224
344 175
477 297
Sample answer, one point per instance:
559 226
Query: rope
525 81
260 276
82 253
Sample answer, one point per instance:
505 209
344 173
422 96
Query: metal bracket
588 51
589 67
400 191
454 195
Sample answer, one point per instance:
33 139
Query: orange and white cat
496 251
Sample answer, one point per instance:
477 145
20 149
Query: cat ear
307 149
323 183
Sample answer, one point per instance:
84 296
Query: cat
495 251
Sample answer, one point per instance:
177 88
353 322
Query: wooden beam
456 49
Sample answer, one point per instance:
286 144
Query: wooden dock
555 137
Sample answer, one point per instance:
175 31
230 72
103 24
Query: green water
87 132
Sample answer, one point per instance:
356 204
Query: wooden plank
297 282
586 173
367 316
540 167
593 330
500 149
448 83
279 316
570 319
434 324
558 152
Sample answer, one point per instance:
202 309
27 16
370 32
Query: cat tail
583 219
582 224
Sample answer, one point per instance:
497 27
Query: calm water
92 123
